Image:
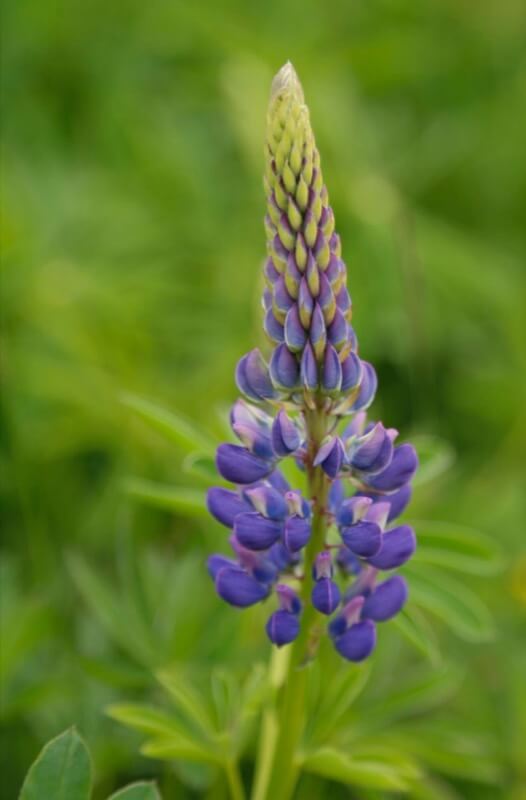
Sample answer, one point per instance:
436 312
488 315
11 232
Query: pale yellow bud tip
286 82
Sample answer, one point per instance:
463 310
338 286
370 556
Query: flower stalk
308 402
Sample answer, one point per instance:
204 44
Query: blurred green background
132 241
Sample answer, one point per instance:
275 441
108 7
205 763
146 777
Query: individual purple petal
288 599
237 465
330 456
278 481
273 328
352 339
292 276
242 381
254 438
349 615
358 642
331 380
387 599
337 330
373 451
285 435
351 372
268 502
325 596
401 469
336 496
364 539
270 271
239 588
295 335
309 369
367 389
217 562
248 414
399 501
225 505
398 545
378 512
352 510
279 253
356 426
282 627
257 376
322 567
343 300
284 370
348 562
281 556
282 299
296 533
256 532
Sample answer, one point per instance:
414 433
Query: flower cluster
320 554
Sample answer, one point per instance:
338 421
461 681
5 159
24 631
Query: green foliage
62 771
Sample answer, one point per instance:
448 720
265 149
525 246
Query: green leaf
435 456
452 602
411 695
187 700
417 631
114 615
189 502
336 699
179 747
143 790
147 719
62 771
171 425
456 547
372 773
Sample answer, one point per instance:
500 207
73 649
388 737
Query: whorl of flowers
319 555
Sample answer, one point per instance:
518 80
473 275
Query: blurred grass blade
336 699
62 771
452 602
457 547
148 719
435 456
202 466
112 612
414 695
143 790
170 498
328 762
186 699
171 425
415 628
178 747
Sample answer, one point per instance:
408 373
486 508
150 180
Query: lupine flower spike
307 401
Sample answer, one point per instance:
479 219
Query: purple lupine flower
306 399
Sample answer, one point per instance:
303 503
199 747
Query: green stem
235 784
291 702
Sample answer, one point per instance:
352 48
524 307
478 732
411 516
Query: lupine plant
318 558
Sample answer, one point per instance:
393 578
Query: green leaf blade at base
142 790
62 771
